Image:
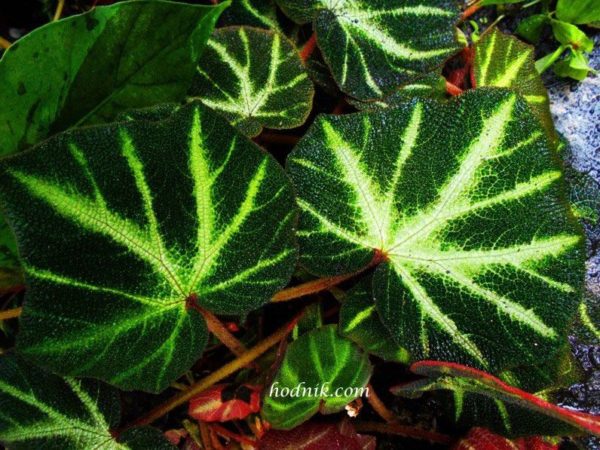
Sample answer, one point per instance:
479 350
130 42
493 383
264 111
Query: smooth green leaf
372 46
484 263
316 360
255 78
575 65
504 61
483 400
121 226
360 322
568 34
97 64
41 410
544 63
531 27
578 11
256 13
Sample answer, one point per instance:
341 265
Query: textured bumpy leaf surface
484 262
98 64
482 439
315 359
255 78
120 225
41 410
256 13
518 413
505 61
375 46
360 322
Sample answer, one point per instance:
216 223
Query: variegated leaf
511 411
484 263
255 78
504 61
256 13
122 227
321 372
360 322
41 410
375 46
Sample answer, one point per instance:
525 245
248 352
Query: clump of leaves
165 221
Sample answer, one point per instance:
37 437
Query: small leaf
360 322
575 65
544 63
223 402
502 60
318 436
121 227
578 11
531 27
97 64
463 380
321 372
482 439
568 34
484 263
373 47
40 410
255 78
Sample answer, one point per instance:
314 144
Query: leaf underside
41 410
484 261
255 78
504 61
317 358
375 46
121 227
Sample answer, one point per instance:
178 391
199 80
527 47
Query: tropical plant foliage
174 175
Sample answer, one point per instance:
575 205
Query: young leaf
575 65
97 64
578 11
502 60
41 410
122 227
463 380
255 78
568 34
317 374
465 201
360 322
482 439
373 47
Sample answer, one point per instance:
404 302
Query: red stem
453 89
309 47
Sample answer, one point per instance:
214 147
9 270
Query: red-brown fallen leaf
224 402
318 436
482 439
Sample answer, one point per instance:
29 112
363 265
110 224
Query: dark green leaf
316 360
531 27
41 410
465 200
122 226
256 13
502 60
255 78
360 322
578 11
88 68
373 47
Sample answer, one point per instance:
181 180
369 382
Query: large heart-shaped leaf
518 412
504 61
256 13
41 410
97 64
465 201
374 46
321 372
255 78
121 227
